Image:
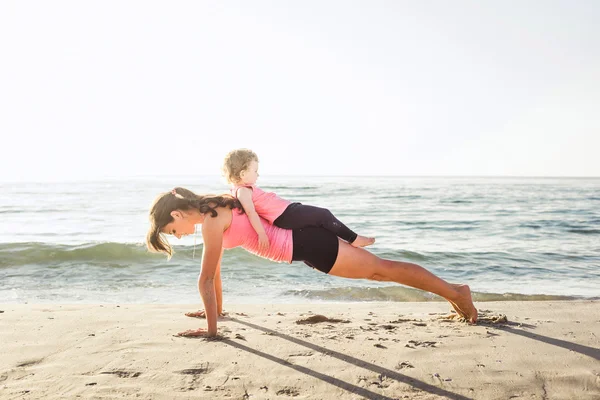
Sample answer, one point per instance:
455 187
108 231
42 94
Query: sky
105 89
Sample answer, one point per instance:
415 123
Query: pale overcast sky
92 89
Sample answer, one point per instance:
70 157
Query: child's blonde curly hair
235 162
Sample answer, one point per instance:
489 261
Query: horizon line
96 179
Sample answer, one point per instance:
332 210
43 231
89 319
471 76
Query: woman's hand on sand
194 333
202 314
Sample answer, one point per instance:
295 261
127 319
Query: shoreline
385 350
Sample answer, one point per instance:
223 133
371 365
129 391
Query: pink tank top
267 204
241 233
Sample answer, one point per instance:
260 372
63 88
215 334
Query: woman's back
241 233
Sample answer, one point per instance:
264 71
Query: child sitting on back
241 171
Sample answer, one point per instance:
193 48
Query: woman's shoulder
223 217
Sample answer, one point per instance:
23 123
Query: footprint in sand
403 364
303 354
29 363
400 320
288 391
382 382
492 319
416 343
194 374
122 373
195 371
315 319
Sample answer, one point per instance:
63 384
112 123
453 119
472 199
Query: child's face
250 175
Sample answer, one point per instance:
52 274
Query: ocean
508 238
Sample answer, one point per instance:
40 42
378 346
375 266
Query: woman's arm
212 234
218 292
244 195
219 286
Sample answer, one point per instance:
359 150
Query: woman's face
183 223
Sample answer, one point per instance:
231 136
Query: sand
542 350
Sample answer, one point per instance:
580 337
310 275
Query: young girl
241 171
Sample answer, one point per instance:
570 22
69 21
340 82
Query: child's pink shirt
267 204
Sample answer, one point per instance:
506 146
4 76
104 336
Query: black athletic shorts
316 246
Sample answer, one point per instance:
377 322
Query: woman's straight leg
358 263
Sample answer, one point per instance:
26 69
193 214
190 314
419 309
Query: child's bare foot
363 241
464 303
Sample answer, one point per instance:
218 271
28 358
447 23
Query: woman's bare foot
201 314
458 310
463 304
363 241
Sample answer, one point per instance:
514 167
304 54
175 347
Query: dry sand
544 350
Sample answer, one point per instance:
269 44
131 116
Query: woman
225 226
